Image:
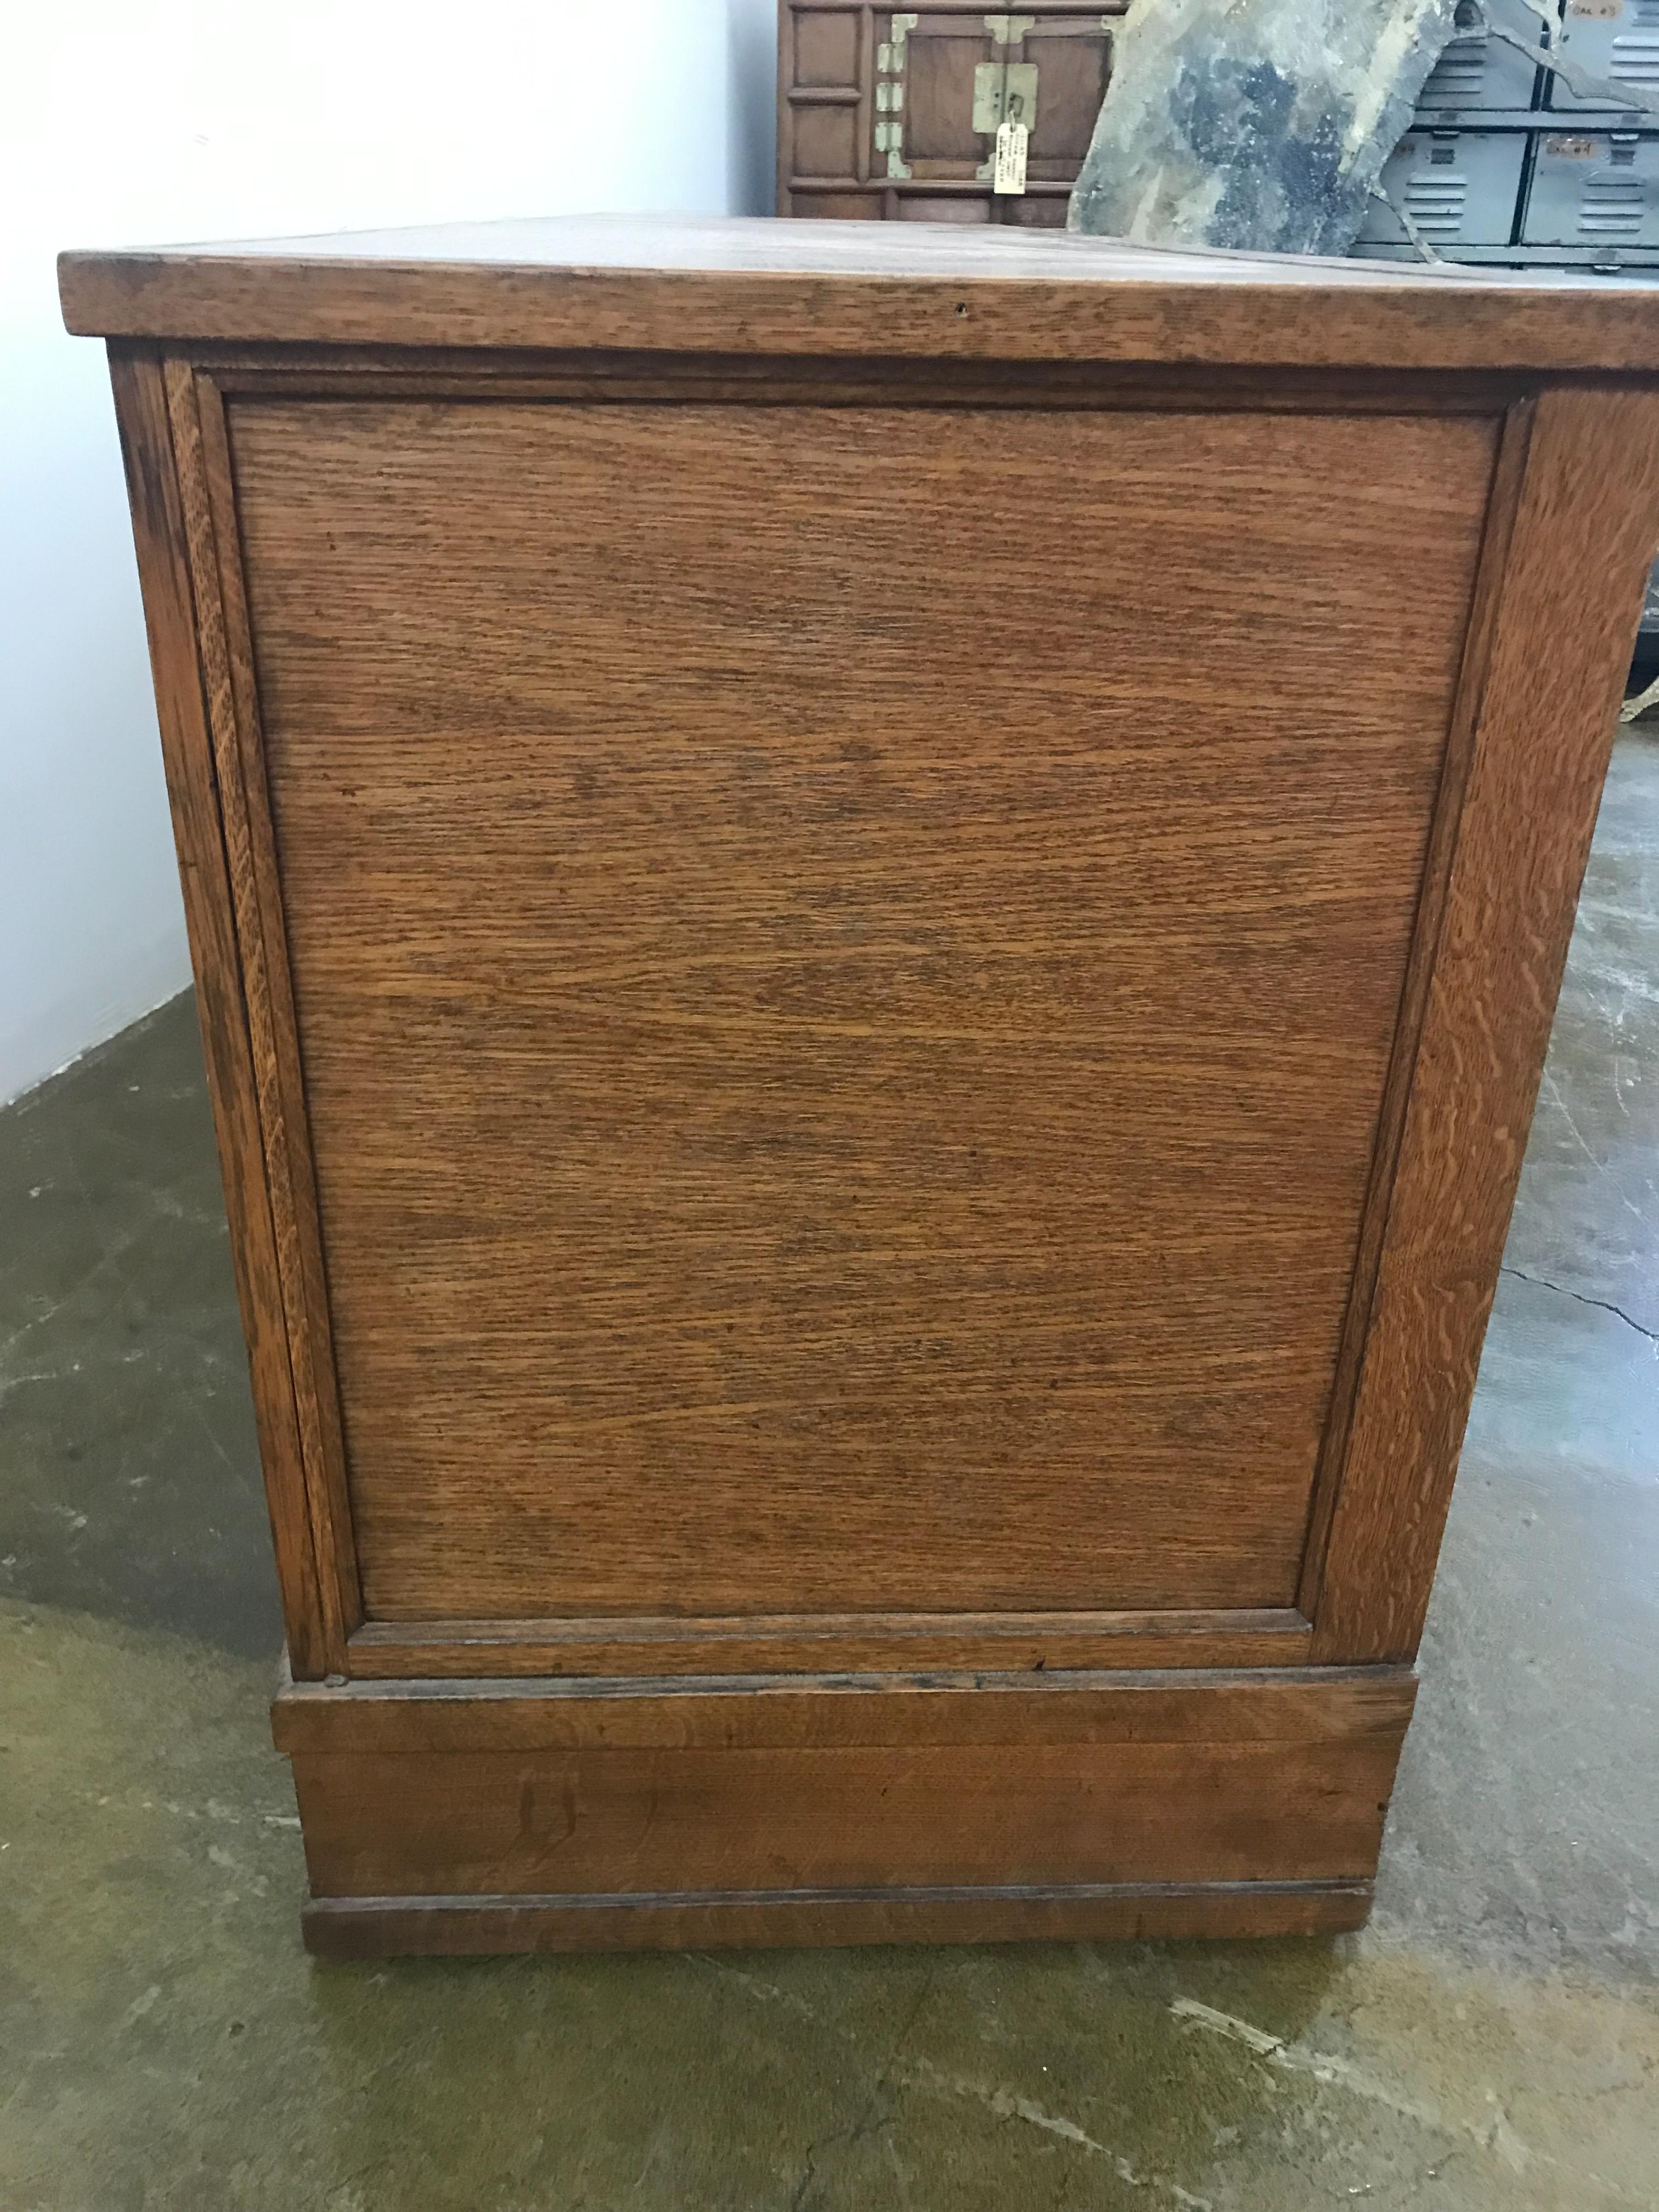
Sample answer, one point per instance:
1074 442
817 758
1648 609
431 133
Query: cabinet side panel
158 530
1583 537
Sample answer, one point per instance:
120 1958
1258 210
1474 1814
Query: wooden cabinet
876 913
893 114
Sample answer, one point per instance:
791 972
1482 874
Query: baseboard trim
380 1927
501 1816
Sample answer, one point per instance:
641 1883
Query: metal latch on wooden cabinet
1004 92
1005 110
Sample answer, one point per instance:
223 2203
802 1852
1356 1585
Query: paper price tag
1008 171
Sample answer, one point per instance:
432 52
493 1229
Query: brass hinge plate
1004 92
889 95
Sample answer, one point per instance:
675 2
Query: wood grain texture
389 1927
1584 535
861 1817
878 289
808 1642
315 1642
865 1817
863 1784
1004 1093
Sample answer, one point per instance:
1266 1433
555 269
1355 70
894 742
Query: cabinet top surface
760 285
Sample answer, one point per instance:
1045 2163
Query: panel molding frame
1504 497
212 548
306 1549
599 375
1395 1422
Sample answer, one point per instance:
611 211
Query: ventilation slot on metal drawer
1611 207
1478 70
1459 77
1436 203
1636 60
1633 57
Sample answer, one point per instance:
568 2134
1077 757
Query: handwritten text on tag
1008 175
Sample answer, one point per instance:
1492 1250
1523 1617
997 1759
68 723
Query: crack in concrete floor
1607 1305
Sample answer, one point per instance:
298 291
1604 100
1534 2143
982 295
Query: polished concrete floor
1491 2040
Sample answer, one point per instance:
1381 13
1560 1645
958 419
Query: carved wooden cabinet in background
865 1207
892 114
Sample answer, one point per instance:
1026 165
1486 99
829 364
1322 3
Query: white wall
133 121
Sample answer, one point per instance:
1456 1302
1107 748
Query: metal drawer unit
1457 187
1493 170
1485 178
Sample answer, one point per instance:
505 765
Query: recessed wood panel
1074 66
962 208
1030 213
826 47
835 1078
941 55
827 142
840 207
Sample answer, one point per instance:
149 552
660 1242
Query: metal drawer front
1478 72
1588 189
1617 40
1457 186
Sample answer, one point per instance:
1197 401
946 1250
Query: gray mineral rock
1261 125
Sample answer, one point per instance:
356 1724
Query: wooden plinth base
379 1927
576 1815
